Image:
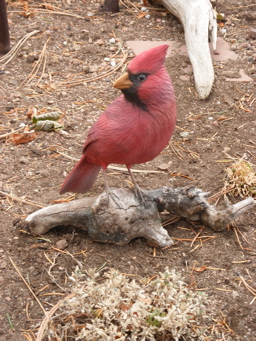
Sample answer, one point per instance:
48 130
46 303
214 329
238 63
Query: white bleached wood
198 19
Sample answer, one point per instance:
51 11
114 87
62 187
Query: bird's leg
140 194
108 191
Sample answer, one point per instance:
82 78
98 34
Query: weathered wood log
4 29
120 220
198 19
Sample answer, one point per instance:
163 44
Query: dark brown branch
111 6
4 29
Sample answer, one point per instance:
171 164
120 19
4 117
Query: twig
136 8
48 317
44 56
171 220
239 6
198 234
53 264
59 13
249 288
146 171
42 10
238 230
237 237
182 176
88 80
18 271
11 54
175 151
128 9
36 67
12 132
28 202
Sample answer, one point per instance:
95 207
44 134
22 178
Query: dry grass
115 307
241 179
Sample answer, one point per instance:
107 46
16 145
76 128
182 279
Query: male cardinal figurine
134 128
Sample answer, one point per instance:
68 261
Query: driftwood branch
125 218
198 19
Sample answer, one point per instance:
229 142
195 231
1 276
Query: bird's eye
141 77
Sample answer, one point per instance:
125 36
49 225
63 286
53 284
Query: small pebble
77 47
31 59
23 160
107 59
113 48
3 264
113 63
147 16
62 244
112 41
163 167
252 32
184 134
86 69
93 69
75 62
100 42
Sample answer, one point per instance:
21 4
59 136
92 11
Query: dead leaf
141 15
200 268
222 118
20 138
48 6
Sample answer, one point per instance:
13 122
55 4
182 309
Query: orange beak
123 82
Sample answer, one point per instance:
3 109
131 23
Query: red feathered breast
126 134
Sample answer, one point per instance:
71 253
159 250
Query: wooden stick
29 288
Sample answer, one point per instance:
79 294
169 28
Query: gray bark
122 217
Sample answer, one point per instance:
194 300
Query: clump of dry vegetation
241 179
117 308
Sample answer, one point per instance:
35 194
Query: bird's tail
81 178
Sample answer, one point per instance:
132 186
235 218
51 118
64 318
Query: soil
218 131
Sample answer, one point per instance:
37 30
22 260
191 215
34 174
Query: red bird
135 127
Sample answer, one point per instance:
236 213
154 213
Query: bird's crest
149 61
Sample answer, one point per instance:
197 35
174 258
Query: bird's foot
140 194
112 196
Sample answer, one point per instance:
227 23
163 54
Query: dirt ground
218 130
